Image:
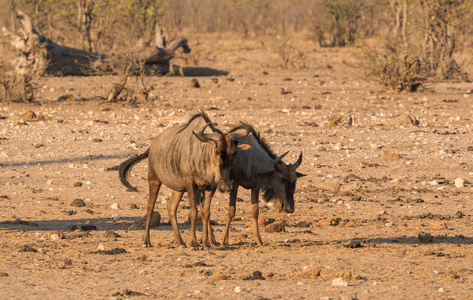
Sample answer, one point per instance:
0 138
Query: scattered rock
78 203
128 292
155 221
346 275
27 249
115 206
275 227
194 83
111 234
133 206
88 227
3 274
354 244
256 275
263 221
101 247
302 224
438 225
404 120
220 276
114 251
311 272
340 282
459 215
27 115
238 289
459 183
329 222
56 236
425 237
330 186
196 264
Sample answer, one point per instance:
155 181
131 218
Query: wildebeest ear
299 175
266 174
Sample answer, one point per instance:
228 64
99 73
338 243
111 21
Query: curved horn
205 138
214 129
278 160
247 128
237 136
299 161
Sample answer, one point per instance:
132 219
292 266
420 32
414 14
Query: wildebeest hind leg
154 186
231 215
191 192
172 205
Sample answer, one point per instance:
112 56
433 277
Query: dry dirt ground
374 183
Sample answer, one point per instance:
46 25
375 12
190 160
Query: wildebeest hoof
146 246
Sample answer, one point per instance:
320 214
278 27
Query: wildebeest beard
269 194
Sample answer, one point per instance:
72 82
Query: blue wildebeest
258 168
186 159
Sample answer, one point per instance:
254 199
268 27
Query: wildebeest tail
125 168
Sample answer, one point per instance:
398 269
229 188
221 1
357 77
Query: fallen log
39 54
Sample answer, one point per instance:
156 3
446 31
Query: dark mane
204 116
258 138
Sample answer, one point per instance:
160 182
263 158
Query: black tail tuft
125 168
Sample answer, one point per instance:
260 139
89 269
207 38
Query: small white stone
285 110
49 182
55 237
115 206
434 182
459 183
101 247
238 289
340 282
441 290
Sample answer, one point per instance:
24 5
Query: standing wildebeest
258 168
186 161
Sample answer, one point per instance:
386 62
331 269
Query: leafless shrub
334 121
406 64
399 67
141 88
285 50
439 22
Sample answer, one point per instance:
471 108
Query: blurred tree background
410 40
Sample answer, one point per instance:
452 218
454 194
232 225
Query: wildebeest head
224 146
283 183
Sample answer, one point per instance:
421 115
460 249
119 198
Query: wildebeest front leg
191 192
231 215
255 214
172 205
154 186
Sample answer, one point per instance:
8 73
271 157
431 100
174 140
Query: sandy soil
375 182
